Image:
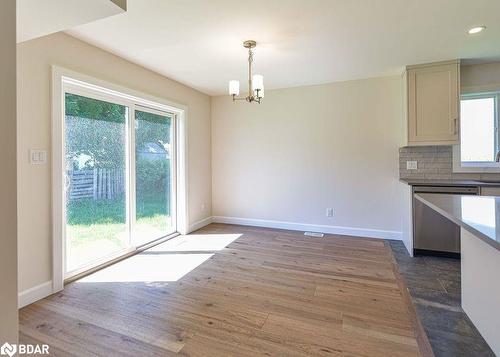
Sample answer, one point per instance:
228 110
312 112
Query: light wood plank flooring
268 292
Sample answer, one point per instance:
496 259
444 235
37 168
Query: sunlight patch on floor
149 268
165 262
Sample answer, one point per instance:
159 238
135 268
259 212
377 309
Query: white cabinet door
433 104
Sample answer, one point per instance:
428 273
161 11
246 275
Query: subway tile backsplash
434 162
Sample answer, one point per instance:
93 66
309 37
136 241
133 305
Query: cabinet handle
455 126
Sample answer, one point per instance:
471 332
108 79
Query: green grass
151 209
86 211
89 220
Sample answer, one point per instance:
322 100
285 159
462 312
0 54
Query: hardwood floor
269 292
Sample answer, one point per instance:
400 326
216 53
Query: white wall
8 214
35 58
480 77
308 148
41 18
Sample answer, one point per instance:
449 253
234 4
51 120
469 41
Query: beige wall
308 148
8 226
34 60
480 77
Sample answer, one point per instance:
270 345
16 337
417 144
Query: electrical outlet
411 165
329 212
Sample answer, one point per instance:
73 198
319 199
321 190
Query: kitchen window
479 136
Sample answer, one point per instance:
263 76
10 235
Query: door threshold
138 250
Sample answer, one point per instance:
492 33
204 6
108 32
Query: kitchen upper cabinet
432 103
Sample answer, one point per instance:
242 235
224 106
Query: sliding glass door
96 192
154 157
120 177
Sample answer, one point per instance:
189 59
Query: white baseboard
200 224
348 231
33 294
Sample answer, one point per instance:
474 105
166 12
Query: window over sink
479 149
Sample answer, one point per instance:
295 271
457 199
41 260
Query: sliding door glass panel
96 199
153 179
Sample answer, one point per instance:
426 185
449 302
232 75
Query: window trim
479 166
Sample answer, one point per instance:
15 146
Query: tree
83 107
95 130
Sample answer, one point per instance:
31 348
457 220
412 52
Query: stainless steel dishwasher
433 234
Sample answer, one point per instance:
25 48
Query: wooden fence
96 184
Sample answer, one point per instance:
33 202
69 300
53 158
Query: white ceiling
37 18
199 42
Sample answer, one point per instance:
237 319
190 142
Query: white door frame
119 94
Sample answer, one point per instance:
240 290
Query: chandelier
255 82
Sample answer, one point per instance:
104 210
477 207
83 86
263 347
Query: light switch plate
38 156
411 165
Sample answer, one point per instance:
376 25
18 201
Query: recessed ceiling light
476 29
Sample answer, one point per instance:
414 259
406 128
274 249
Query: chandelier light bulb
258 81
234 87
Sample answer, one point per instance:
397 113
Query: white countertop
449 182
479 215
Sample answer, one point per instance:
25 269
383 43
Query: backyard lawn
96 228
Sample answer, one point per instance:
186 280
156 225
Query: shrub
152 175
